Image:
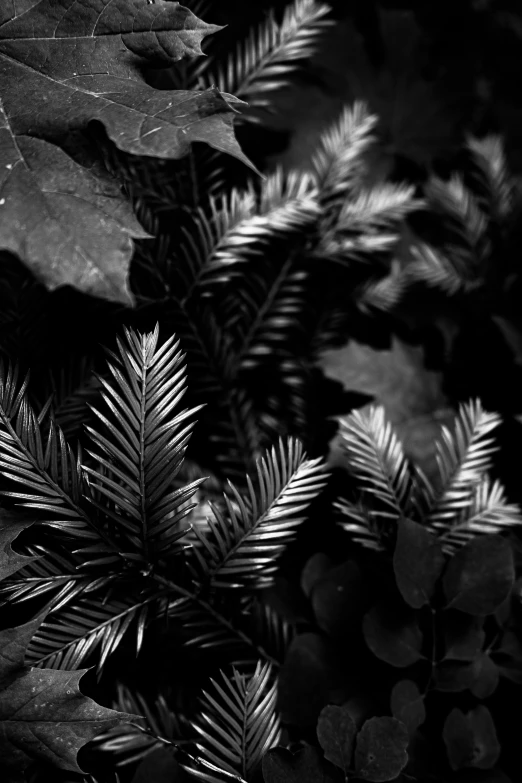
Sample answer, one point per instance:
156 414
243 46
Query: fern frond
220 626
272 52
360 248
272 309
239 226
458 203
339 162
124 744
216 241
361 523
71 634
158 717
46 466
129 743
488 513
238 723
376 457
489 157
384 293
368 221
52 571
143 445
435 268
267 625
463 457
381 207
288 202
231 422
242 545
209 347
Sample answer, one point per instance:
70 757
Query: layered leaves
43 714
425 519
62 67
11 525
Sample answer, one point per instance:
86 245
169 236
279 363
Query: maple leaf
64 64
397 379
43 714
11 525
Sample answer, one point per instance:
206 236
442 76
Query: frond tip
376 457
238 724
265 61
242 543
464 458
468 502
142 446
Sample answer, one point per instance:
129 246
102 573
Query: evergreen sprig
467 504
237 724
270 55
116 519
478 215
242 543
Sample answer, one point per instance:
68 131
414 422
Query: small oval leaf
396 640
480 576
336 734
407 704
418 561
471 739
380 754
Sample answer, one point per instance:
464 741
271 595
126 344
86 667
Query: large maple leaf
43 714
63 64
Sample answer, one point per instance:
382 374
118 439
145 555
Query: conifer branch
242 544
339 162
376 457
269 56
463 457
238 722
488 513
488 154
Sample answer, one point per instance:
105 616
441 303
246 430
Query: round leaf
453 676
407 704
418 561
485 677
471 739
508 657
396 640
480 576
380 754
336 734
480 676
463 636
315 568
